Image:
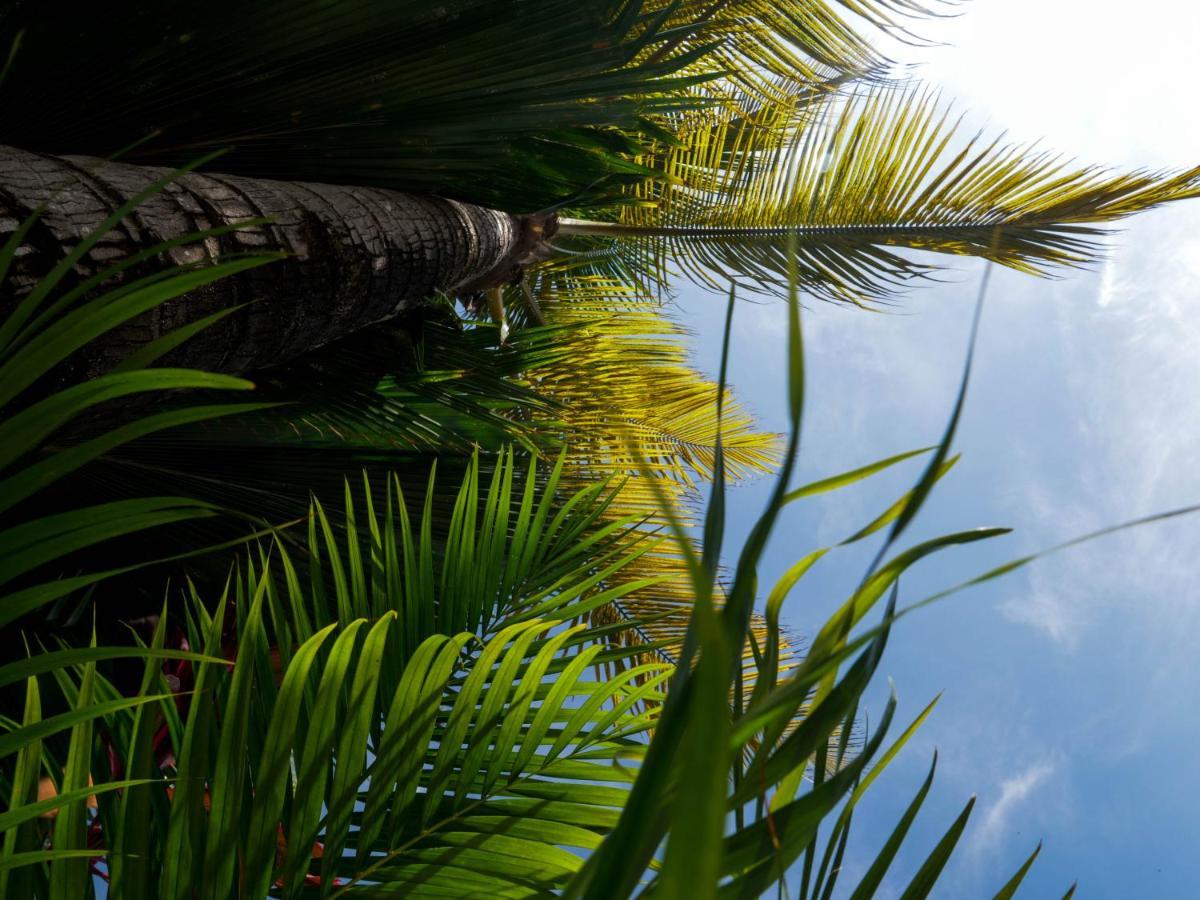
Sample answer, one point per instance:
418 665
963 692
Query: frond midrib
616 229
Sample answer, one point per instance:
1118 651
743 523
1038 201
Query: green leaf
70 877
837 482
275 762
925 879
1010 887
871 880
75 329
20 840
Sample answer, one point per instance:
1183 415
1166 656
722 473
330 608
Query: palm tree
563 159
589 151
703 132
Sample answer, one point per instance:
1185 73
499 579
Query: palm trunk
355 256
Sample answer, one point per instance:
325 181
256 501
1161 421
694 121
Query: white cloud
1122 383
1049 612
1012 792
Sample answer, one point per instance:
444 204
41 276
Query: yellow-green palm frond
804 41
879 173
628 383
632 408
716 149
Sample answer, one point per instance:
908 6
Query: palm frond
606 382
322 744
628 382
518 543
878 174
633 409
481 780
53 430
369 739
512 103
800 41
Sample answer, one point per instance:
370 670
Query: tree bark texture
355 255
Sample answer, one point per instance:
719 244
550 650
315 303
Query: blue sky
1069 688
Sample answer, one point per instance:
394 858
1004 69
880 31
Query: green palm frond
386 721
607 381
878 174
628 382
304 756
54 429
282 784
800 41
518 103
518 543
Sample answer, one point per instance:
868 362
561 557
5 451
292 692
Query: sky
1068 689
